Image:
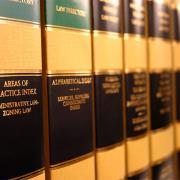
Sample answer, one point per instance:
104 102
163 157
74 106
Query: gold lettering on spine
138 102
110 7
74 99
111 85
17 107
63 81
29 2
137 14
164 19
68 10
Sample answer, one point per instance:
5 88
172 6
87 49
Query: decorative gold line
162 160
15 75
139 171
112 146
28 175
13 71
69 72
136 36
19 20
137 137
135 70
72 161
96 32
49 27
161 128
159 39
108 71
157 71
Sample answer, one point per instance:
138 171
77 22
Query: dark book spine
136 99
108 84
160 68
176 72
21 129
69 83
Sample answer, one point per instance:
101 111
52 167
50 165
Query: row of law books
90 89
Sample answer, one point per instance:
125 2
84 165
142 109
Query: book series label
177 95
161 99
109 121
140 176
107 15
159 20
27 10
134 17
21 132
136 104
70 117
67 13
163 170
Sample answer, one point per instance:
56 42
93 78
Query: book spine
107 63
69 79
160 69
176 68
21 131
135 67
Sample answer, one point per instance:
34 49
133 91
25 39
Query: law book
136 99
108 82
160 69
21 126
176 70
69 84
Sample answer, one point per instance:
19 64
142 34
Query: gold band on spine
137 137
51 27
49 73
72 161
20 71
29 175
135 173
135 70
161 128
162 160
137 36
97 32
106 148
19 20
108 71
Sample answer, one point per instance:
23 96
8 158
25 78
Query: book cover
160 69
108 82
136 99
21 126
69 79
